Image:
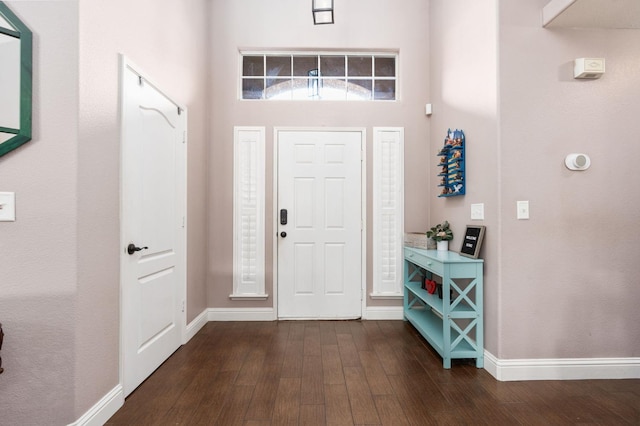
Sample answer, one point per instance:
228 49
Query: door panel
303 265
334 271
153 208
334 203
319 260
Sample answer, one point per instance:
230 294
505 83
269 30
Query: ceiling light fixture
322 11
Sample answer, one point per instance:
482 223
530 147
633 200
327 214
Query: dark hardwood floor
353 373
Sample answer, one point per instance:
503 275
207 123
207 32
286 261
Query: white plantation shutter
248 213
388 211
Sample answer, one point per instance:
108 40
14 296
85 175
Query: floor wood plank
376 377
348 351
332 365
338 410
312 415
363 409
233 412
312 381
287 405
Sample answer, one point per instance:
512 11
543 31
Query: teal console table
453 324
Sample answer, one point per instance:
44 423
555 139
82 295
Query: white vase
443 245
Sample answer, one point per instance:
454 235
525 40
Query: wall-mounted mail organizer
452 164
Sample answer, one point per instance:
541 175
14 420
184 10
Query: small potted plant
441 234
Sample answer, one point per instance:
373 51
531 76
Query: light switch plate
477 211
523 210
7 206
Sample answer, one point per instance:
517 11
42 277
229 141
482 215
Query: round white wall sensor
577 161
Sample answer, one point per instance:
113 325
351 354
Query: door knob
131 248
283 234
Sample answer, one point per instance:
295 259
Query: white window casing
248 214
388 212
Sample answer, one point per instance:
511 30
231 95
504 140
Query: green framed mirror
16 61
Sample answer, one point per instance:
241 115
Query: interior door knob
131 248
283 234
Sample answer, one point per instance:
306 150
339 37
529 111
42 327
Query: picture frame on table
472 241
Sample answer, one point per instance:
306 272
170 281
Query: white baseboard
386 296
383 313
241 314
103 409
194 326
561 369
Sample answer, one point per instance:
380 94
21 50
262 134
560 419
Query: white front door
320 246
153 208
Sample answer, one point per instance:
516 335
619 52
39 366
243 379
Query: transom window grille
303 76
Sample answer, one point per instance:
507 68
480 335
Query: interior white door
153 230
320 246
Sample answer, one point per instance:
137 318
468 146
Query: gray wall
38 252
569 279
464 94
360 24
564 283
59 292
167 39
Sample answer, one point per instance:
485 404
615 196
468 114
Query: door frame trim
363 210
125 63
